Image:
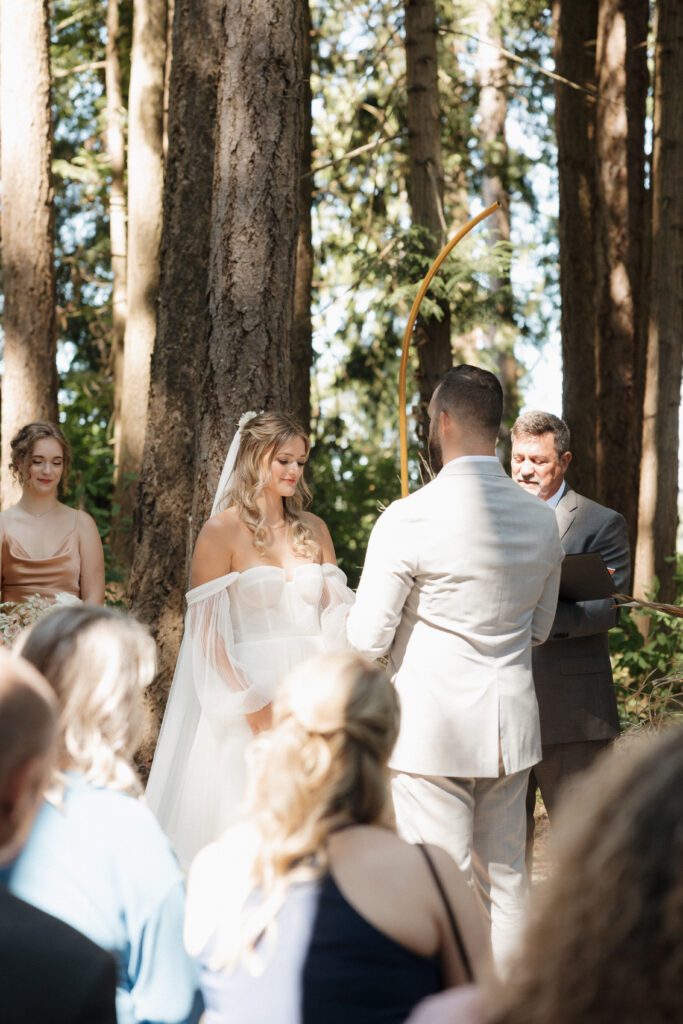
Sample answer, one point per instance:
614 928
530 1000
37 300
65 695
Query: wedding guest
46 547
48 971
96 857
266 594
315 910
572 669
606 940
460 579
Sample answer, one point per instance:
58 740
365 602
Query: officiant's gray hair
535 423
471 395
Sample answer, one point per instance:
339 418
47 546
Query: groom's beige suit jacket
460 579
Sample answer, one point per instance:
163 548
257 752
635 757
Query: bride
265 594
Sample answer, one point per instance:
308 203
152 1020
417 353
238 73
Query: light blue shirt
101 863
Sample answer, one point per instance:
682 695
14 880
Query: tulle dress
243 632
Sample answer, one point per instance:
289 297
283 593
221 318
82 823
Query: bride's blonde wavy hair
262 437
98 661
321 767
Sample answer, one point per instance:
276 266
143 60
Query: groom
460 579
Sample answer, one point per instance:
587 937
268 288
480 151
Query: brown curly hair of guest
606 942
24 441
262 437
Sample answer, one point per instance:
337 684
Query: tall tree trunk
621 64
145 184
493 75
254 227
658 505
576 25
116 151
302 334
163 527
426 187
29 384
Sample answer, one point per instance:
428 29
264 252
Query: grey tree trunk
426 188
145 185
254 227
619 245
576 25
493 79
658 505
302 334
163 526
29 384
116 151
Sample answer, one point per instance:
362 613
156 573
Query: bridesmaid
46 547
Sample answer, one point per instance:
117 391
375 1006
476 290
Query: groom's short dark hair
473 397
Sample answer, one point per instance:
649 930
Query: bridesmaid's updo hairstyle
322 767
262 437
24 441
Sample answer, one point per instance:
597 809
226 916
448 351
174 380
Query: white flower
244 419
67 599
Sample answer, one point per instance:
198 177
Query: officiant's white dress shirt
460 578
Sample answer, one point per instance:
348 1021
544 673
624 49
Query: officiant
572 669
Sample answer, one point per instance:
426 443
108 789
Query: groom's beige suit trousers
481 824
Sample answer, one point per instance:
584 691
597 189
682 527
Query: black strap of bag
457 935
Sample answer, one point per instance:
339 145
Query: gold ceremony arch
403 372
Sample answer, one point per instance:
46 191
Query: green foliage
647 659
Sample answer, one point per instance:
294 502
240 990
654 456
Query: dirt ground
542 863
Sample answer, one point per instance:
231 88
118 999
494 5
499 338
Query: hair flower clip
244 419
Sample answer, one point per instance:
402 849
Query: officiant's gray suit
572 670
460 578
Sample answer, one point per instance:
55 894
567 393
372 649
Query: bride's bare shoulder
219 538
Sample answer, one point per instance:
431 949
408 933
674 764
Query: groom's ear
445 422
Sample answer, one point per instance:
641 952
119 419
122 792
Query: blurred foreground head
98 662
607 940
28 722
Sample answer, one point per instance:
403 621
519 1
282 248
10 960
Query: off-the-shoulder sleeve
221 682
337 600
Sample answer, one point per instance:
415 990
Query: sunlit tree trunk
576 25
426 187
254 227
620 238
145 183
493 77
116 151
658 507
302 334
29 383
163 525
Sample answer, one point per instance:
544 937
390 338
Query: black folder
585 577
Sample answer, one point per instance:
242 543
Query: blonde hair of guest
323 766
99 662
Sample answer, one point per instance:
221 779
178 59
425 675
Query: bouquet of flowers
17 616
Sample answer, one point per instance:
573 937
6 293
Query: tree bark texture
302 334
163 525
493 80
658 504
116 151
29 384
576 24
619 245
426 188
145 198
254 226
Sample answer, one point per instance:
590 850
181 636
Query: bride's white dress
243 632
